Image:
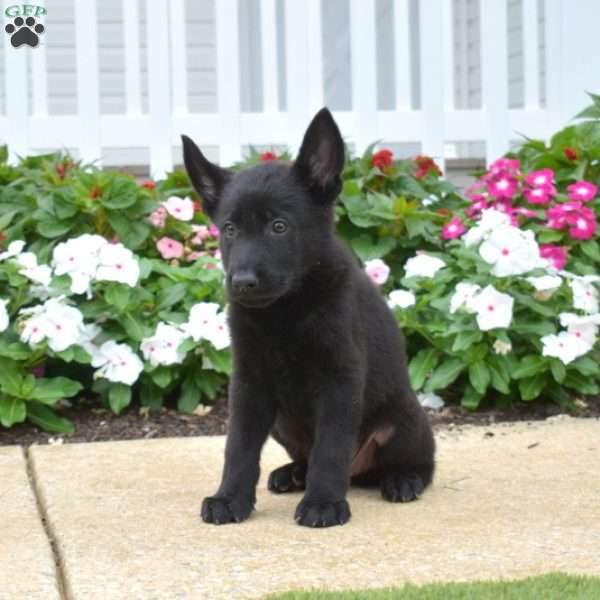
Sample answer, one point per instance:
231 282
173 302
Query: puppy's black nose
244 283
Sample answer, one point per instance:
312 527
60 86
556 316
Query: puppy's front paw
226 509
401 488
322 514
288 478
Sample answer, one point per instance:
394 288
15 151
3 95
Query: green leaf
421 366
46 419
12 410
14 350
187 345
162 376
559 372
479 376
366 248
119 397
465 339
6 219
591 248
531 387
150 394
586 366
499 379
189 397
171 295
11 377
118 296
580 383
471 398
135 330
49 391
53 229
530 365
220 359
445 374
133 234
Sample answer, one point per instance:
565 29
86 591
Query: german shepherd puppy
318 359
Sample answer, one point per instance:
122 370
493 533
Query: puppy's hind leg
288 478
406 461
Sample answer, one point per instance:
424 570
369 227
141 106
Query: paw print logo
24 31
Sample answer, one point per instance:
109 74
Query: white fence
572 65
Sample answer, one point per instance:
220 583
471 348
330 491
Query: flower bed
112 287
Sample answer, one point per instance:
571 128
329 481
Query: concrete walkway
508 501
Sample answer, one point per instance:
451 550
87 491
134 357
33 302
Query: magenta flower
557 255
476 190
540 195
582 190
169 248
214 232
504 186
526 212
583 229
476 208
505 165
541 178
453 229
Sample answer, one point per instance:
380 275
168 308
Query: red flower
197 206
268 156
570 153
95 192
383 159
2 238
426 166
61 168
149 185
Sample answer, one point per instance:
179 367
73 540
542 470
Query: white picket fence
572 51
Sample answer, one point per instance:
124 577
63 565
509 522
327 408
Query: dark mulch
93 424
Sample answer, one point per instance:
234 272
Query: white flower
565 346
423 265
511 251
218 333
3 315
377 270
501 347
14 249
161 348
88 334
29 267
79 258
401 299
206 323
55 321
490 220
585 295
117 263
463 295
585 328
546 283
180 208
430 200
494 309
117 363
430 400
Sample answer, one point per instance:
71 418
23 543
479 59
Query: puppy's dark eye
279 226
229 230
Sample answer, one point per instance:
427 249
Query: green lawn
548 587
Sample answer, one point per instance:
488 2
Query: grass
548 587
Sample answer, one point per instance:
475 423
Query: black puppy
318 359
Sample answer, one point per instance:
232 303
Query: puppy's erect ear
208 178
321 158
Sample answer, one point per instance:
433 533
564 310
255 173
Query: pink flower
169 248
158 217
377 270
453 229
540 195
476 191
526 212
582 190
505 165
213 231
476 208
504 186
201 232
192 256
181 209
541 178
582 228
557 255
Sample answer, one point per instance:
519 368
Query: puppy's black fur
319 361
